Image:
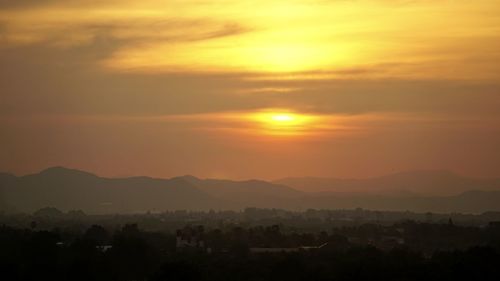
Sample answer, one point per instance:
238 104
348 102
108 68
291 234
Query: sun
283 118
282 122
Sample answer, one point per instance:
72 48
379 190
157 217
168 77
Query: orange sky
250 89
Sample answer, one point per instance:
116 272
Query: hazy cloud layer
41 80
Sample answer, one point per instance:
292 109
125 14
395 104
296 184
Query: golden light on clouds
392 38
301 36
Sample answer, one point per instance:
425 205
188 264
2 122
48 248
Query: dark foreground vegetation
55 249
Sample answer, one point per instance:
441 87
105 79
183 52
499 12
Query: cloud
9 4
129 32
33 4
317 37
70 81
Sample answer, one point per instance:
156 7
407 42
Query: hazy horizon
415 171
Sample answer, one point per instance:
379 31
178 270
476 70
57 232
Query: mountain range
422 182
69 189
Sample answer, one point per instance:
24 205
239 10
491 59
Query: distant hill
422 191
250 193
425 183
467 202
73 189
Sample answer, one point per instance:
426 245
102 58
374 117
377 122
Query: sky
250 89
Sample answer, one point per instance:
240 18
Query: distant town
189 245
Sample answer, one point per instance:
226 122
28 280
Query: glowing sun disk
282 122
283 118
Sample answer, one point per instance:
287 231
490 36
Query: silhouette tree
97 234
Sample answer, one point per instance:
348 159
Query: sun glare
282 122
283 118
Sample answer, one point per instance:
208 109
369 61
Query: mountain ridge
418 182
74 189
89 191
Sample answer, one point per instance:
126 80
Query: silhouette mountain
475 201
73 189
250 193
424 182
67 189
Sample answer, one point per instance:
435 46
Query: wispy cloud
420 39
